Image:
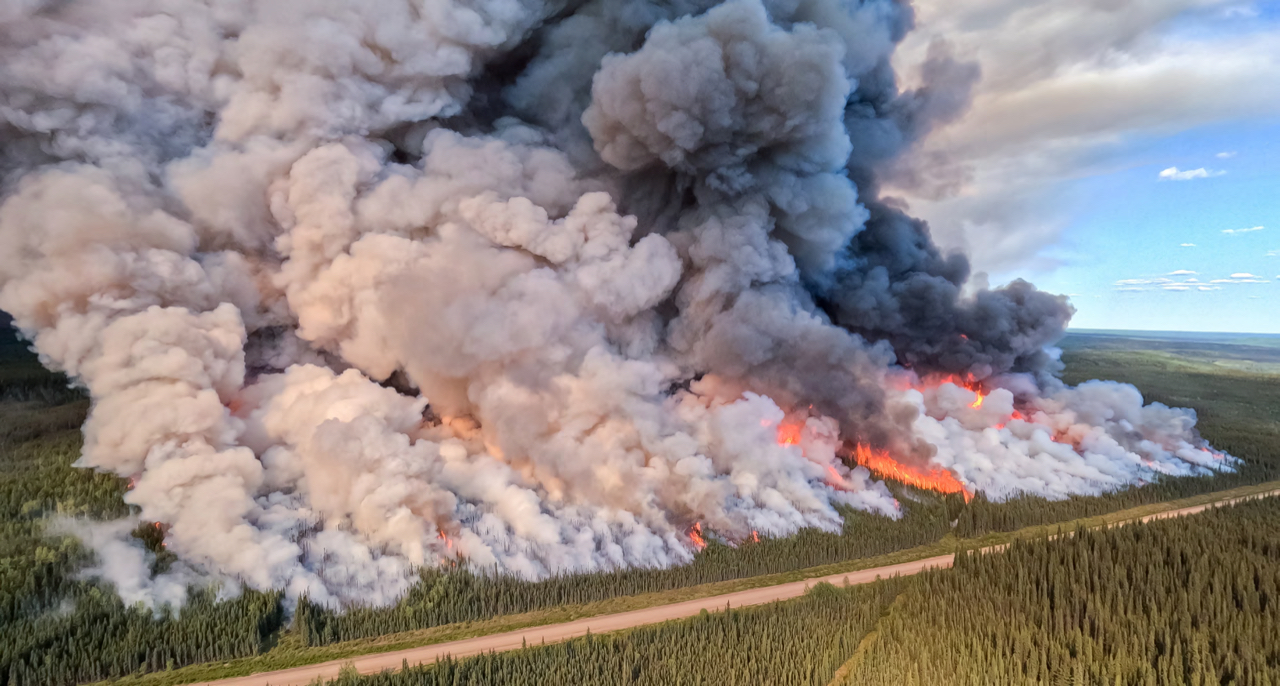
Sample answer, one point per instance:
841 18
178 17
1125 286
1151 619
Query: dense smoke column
539 285
895 286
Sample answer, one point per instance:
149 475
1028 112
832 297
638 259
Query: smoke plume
539 285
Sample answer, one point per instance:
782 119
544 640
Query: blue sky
1142 252
1055 172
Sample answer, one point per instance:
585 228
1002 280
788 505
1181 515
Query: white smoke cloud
1085 440
125 564
350 297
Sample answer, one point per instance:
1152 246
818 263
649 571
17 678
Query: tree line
801 642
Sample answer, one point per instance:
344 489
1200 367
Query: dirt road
299 676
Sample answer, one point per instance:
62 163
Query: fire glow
695 535
789 434
880 463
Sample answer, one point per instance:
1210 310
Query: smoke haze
532 284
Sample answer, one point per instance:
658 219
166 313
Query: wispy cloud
1273 253
1242 277
1237 232
1175 174
1188 245
1240 12
1187 282
1226 155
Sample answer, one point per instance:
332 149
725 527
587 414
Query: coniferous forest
59 627
1194 600
1172 602
802 641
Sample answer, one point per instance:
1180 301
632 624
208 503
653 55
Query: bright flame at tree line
882 464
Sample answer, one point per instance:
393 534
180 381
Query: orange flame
977 404
695 535
448 542
881 463
789 434
755 537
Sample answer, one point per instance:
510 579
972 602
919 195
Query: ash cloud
530 284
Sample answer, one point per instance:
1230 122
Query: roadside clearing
604 623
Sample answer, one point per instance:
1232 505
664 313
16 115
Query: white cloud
1173 174
1186 283
1064 85
1242 277
1241 12
1225 155
1236 232
1188 245
1131 289
1273 253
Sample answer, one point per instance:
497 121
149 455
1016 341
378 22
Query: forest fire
789 434
695 535
879 462
448 542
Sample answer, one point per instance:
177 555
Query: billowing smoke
540 285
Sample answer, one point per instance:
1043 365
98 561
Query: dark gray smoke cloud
384 283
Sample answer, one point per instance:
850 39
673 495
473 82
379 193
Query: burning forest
547 287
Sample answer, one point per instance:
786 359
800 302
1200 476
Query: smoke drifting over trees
532 284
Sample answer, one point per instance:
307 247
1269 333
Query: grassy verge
290 652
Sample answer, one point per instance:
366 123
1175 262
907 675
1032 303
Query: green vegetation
797 642
443 597
56 628
290 652
1180 601
49 614
1185 601
1239 412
